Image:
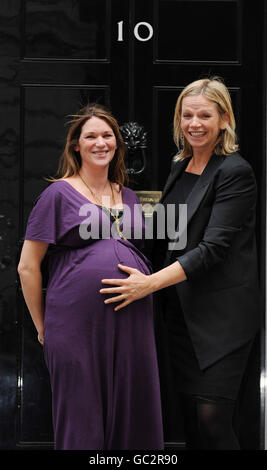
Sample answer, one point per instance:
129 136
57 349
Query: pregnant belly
84 268
74 306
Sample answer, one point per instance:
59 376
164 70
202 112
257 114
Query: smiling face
201 122
97 143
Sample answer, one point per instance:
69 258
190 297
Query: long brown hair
70 161
214 90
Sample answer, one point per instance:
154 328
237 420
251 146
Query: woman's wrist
168 276
154 282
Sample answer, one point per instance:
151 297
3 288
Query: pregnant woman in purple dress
102 363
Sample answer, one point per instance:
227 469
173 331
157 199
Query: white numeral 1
120 31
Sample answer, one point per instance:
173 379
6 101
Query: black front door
134 56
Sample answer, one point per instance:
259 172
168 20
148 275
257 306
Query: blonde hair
213 89
70 161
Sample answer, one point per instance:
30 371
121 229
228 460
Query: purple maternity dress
102 364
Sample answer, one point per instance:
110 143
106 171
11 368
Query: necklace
114 216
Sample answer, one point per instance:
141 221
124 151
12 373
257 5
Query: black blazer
220 298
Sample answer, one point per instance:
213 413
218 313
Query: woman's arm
234 203
29 270
138 285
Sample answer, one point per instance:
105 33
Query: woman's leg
215 421
208 423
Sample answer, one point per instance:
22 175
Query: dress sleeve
43 221
233 206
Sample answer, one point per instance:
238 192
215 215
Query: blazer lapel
199 190
178 167
201 186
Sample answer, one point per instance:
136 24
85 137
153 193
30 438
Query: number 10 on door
136 31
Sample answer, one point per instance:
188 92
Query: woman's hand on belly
134 287
138 285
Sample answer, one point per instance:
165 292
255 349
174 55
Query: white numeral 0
136 31
149 27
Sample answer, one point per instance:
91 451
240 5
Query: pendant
119 230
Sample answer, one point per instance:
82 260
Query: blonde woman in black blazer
209 288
